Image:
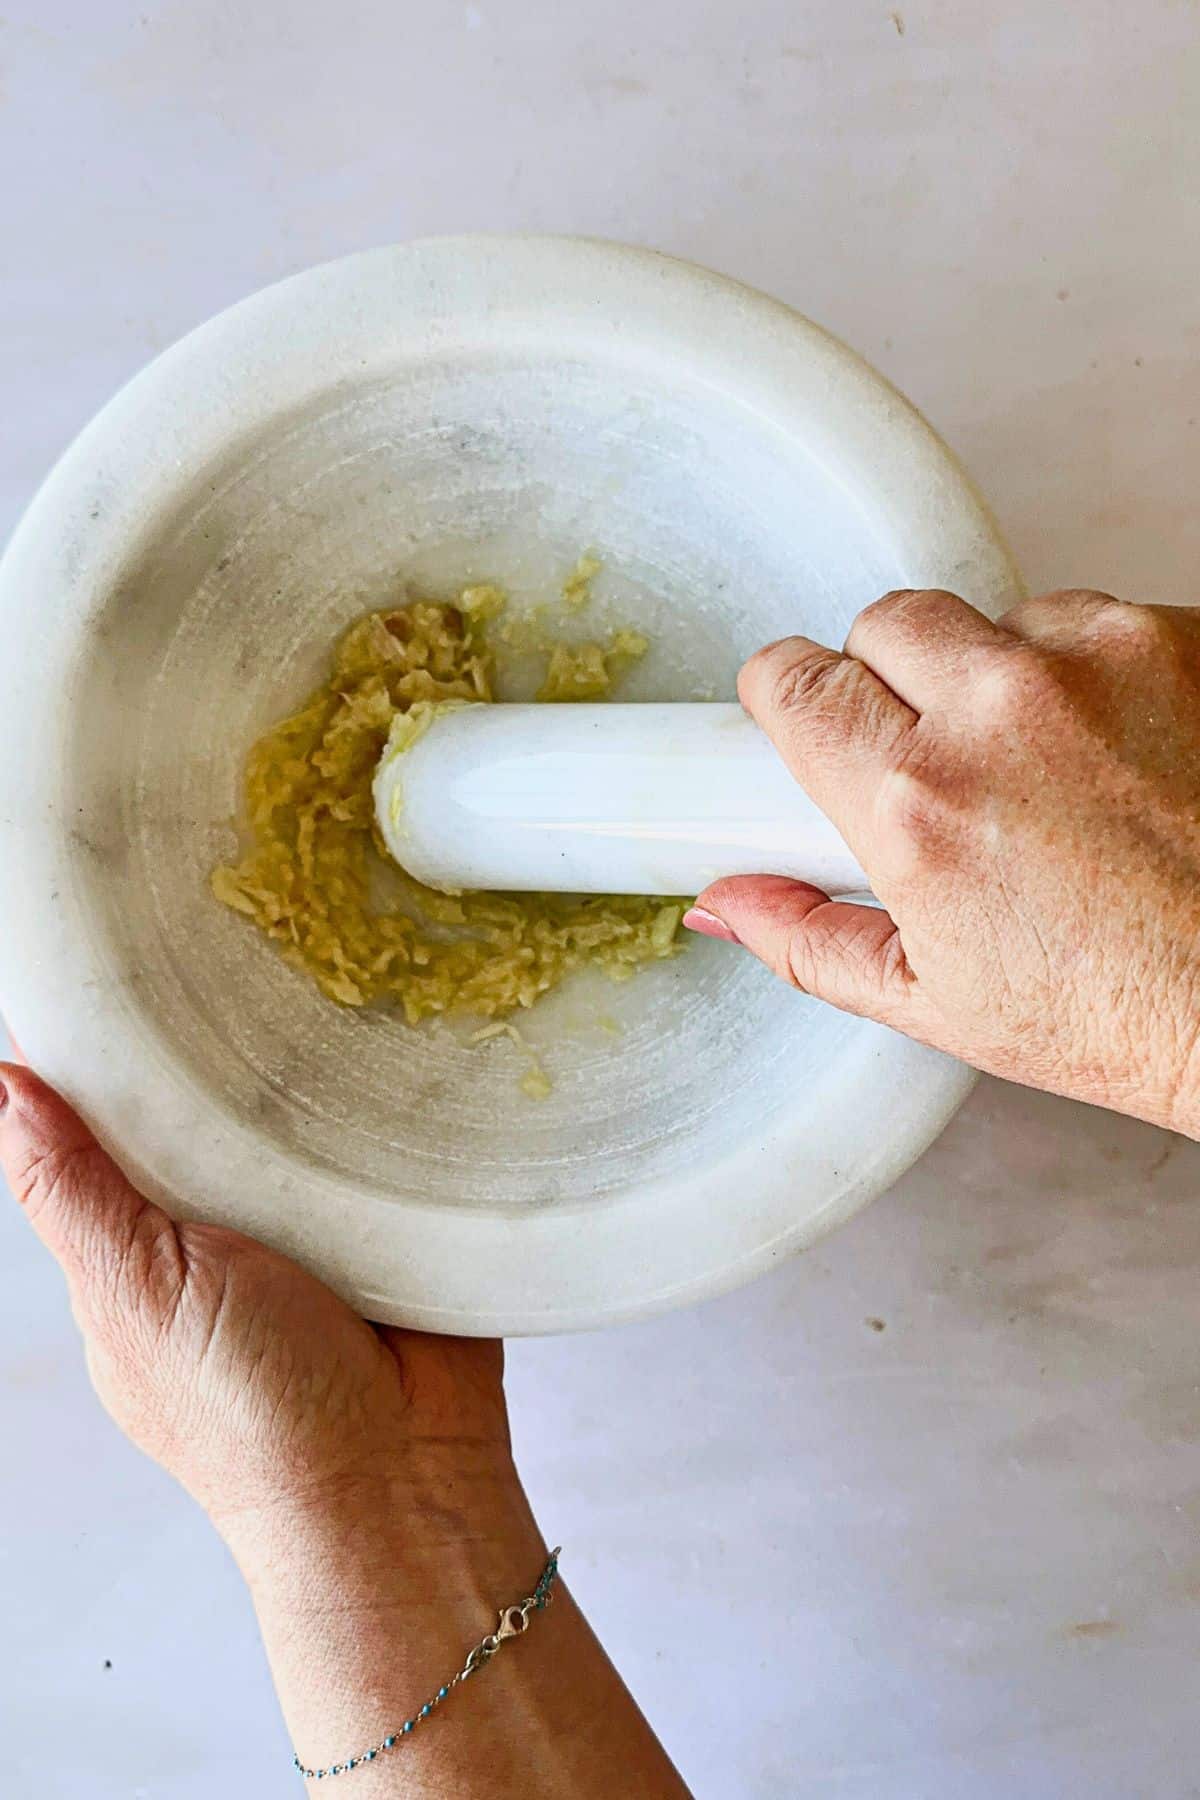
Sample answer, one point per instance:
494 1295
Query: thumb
82 1207
849 955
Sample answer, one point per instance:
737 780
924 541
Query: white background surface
956 1556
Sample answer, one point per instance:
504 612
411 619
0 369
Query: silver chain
513 1623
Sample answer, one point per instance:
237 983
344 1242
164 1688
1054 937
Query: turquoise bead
442 1692
408 1724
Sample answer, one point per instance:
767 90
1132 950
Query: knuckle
916 755
860 958
1081 599
893 967
1136 628
1016 619
902 609
150 1270
796 967
902 600
921 600
896 600
47 1174
910 810
919 807
1011 685
799 685
1061 612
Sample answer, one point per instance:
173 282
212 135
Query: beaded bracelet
513 1621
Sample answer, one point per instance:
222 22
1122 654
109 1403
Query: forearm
369 1604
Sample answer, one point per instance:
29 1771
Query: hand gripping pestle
612 799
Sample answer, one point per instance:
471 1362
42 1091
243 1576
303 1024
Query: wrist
443 1513
370 1598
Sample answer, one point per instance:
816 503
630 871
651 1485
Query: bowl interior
716 533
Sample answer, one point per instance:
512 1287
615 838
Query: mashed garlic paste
311 876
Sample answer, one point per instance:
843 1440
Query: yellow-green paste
312 876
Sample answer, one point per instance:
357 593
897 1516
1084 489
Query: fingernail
698 918
3 1098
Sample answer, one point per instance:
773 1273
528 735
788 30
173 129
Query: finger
850 956
922 642
77 1200
838 727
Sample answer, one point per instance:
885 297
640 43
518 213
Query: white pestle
658 799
